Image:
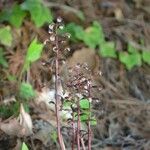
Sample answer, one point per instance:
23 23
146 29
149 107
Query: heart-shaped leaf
146 56
26 91
108 49
5 36
130 60
39 13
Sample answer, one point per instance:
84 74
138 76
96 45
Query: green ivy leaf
5 36
14 16
39 13
108 49
84 117
93 122
146 56
54 136
26 91
84 104
3 61
11 78
33 53
130 60
24 146
131 49
93 35
67 104
4 15
17 15
7 111
75 30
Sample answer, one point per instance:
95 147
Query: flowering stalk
73 131
54 39
89 118
57 96
78 124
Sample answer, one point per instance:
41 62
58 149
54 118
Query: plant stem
78 126
57 97
73 136
89 135
89 119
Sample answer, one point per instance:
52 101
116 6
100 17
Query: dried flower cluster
79 85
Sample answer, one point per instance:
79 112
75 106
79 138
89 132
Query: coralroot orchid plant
79 97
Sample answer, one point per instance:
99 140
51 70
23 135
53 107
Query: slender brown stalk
57 97
78 126
73 136
83 144
89 118
89 134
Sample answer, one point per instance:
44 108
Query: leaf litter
123 109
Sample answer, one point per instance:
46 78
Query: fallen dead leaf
15 128
25 121
11 128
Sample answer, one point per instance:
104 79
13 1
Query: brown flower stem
89 119
57 97
78 126
89 135
73 136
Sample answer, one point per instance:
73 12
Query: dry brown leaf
16 61
18 145
44 134
25 122
83 56
11 128
14 128
118 14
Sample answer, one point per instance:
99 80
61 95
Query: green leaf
75 30
93 122
24 146
4 15
84 104
108 49
26 91
11 78
5 36
3 61
130 60
39 13
17 15
26 107
33 53
131 49
84 117
54 136
7 111
146 56
67 104
93 35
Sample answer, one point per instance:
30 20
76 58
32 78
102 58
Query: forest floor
122 110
